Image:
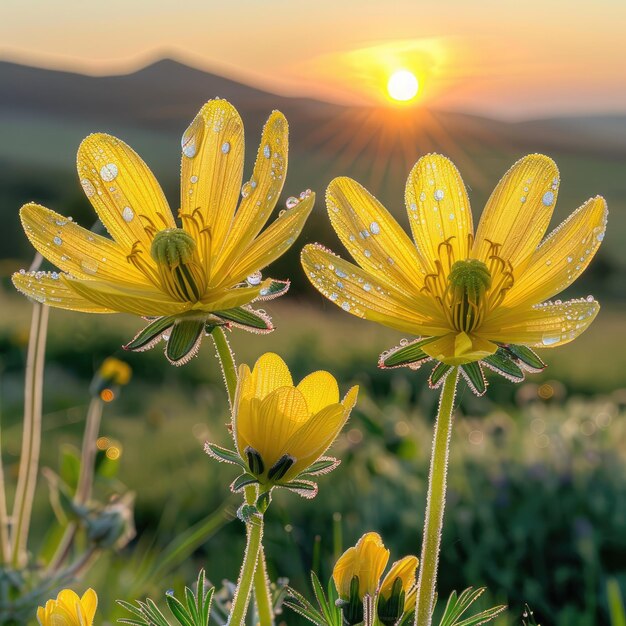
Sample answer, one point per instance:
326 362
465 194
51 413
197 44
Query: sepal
242 481
150 335
407 355
275 289
438 375
324 465
473 374
224 455
526 358
247 318
305 488
184 341
502 363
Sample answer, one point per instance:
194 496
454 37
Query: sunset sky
550 57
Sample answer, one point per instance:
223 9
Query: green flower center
179 266
468 281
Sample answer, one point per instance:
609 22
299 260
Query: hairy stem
435 503
31 436
261 580
254 536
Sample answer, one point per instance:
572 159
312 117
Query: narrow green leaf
242 481
178 610
321 597
322 466
410 354
616 603
304 488
151 334
244 316
184 341
473 374
482 618
192 609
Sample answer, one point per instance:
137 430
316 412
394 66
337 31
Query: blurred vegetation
536 509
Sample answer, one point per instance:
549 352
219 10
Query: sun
402 85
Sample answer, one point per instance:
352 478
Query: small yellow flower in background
475 298
402 570
397 591
69 610
366 562
282 431
116 371
191 278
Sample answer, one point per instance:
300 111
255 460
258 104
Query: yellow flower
404 570
367 561
472 297
69 610
191 278
116 372
282 431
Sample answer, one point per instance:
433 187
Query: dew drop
550 339
333 296
57 240
548 198
266 151
345 306
226 147
89 266
439 194
600 236
108 172
88 187
367 287
374 228
254 279
128 214
194 179
291 202
367 253
423 196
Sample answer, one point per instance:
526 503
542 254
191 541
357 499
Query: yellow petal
280 415
438 208
222 299
373 557
319 390
261 192
563 256
89 602
343 572
543 326
68 599
76 250
144 301
404 569
518 212
372 236
271 243
460 348
361 293
49 289
123 190
314 437
269 373
211 172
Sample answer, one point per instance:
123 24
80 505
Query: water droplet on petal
108 172
254 279
266 151
226 147
439 194
291 202
58 241
89 266
550 339
548 198
345 306
194 179
374 228
88 187
128 214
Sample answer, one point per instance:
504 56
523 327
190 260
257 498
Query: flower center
179 267
468 281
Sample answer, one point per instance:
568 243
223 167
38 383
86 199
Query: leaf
503 364
178 610
303 607
322 466
184 341
458 605
276 288
242 481
247 318
305 488
405 355
150 335
473 374
223 454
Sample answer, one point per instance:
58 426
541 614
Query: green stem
435 503
31 437
227 362
261 580
246 576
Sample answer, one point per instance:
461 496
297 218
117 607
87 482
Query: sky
511 60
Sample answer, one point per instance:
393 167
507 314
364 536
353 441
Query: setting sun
402 85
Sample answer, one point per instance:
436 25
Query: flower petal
89 602
271 243
438 208
211 172
230 298
563 256
261 192
319 390
372 236
269 373
459 348
47 288
542 326
134 299
122 190
74 249
518 212
362 294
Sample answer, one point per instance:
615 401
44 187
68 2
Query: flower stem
246 576
435 503
31 436
261 580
